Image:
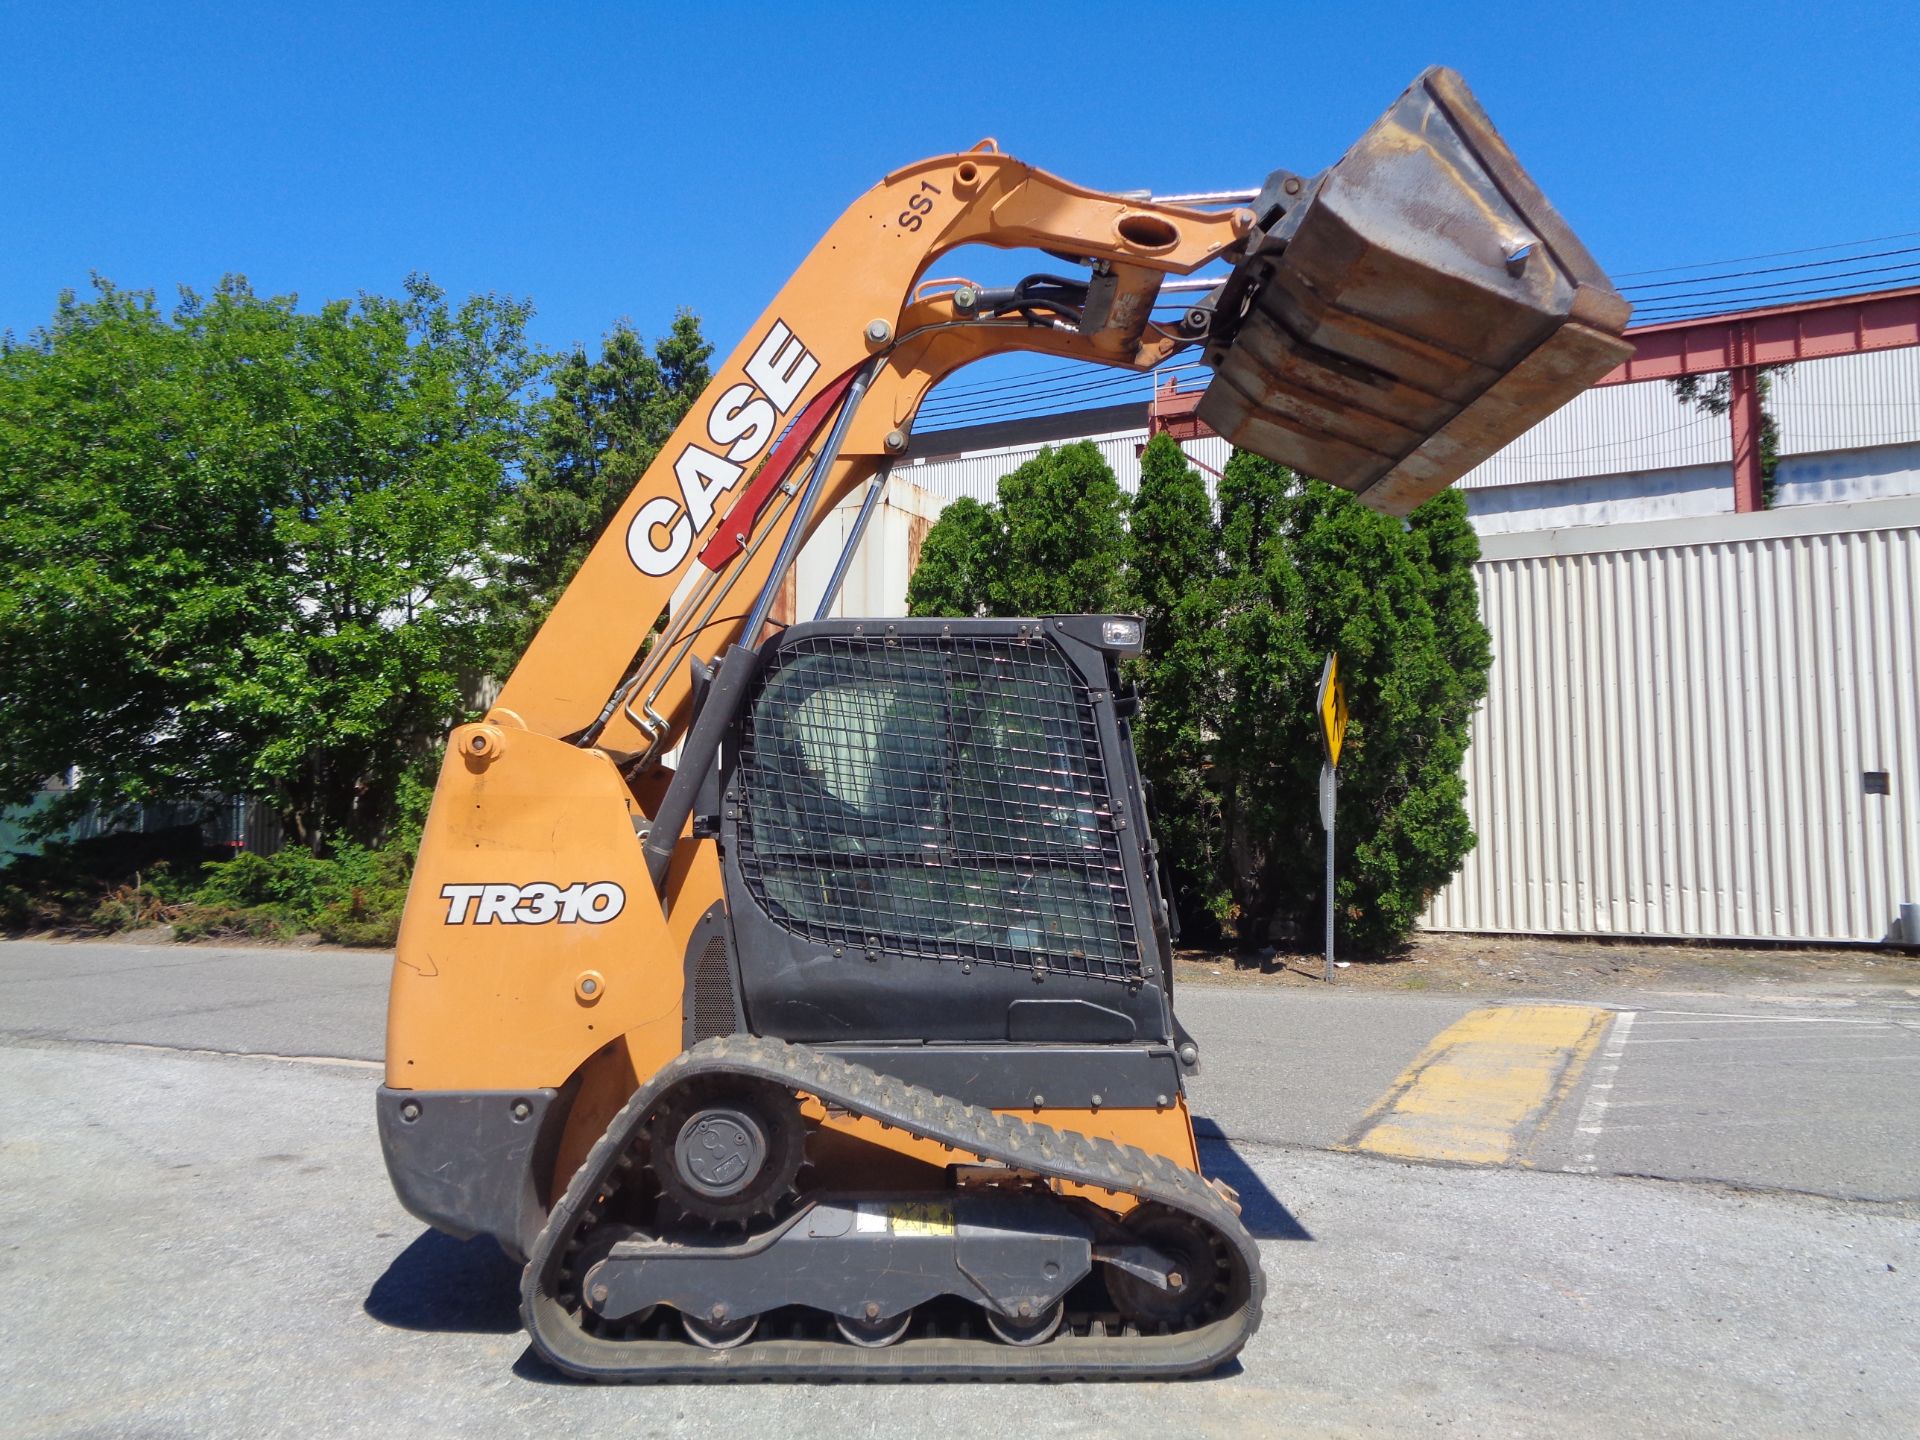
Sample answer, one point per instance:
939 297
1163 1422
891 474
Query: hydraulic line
868 503
816 481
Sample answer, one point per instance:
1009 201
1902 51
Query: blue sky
620 160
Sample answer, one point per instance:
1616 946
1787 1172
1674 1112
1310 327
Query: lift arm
850 305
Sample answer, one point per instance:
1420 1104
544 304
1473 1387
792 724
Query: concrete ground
1701 1216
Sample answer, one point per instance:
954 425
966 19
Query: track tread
928 1115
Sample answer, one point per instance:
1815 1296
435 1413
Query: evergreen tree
1053 545
1175 586
962 559
592 440
1239 614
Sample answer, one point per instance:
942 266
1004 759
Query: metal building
1703 716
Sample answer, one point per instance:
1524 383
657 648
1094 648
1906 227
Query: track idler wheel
1196 1271
726 1151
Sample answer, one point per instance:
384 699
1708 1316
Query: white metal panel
977 473
1676 734
1614 430
1848 402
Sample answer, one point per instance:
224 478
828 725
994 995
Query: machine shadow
442 1284
1261 1211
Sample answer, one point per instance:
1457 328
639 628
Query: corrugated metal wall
1847 402
1679 724
977 474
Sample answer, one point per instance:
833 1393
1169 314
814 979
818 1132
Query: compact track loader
798 1003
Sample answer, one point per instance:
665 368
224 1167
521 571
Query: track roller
1034 1331
719 1334
873 1334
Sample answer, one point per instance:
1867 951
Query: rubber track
1060 1154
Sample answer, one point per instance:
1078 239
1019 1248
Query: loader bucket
1403 315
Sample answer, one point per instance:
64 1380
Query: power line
1776 269
944 396
1771 255
1102 387
1704 308
1802 281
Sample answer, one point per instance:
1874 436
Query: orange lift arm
855 316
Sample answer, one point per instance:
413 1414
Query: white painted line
1709 1017
1593 1113
200 1053
1873 1034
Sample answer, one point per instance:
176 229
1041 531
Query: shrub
352 897
1240 609
230 922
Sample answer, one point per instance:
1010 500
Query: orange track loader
797 1003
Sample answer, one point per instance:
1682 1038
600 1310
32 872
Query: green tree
1239 613
592 439
962 558
1053 545
1174 584
1398 601
243 546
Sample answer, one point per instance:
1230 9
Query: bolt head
879 331
410 1111
873 1310
521 1109
896 440
719 1313
1023 1310
599 1294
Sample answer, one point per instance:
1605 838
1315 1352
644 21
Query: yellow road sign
1332 705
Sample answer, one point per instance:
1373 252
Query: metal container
1402 316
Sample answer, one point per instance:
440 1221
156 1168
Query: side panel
532 936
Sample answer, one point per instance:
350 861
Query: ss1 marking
537 904
919 204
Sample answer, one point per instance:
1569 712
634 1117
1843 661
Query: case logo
537 904
740 423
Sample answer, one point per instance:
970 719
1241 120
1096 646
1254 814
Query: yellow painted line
1483 1085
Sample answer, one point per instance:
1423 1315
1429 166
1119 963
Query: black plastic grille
713 1002
939 798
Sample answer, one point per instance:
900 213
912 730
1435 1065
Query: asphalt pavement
1704 1219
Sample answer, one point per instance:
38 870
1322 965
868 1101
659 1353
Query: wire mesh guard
940 798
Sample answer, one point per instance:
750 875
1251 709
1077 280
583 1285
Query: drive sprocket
726 1150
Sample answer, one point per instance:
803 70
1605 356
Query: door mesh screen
941 798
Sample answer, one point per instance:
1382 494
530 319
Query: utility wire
1771 255
1101 387
946 398
1703 308
1804 280
1775 269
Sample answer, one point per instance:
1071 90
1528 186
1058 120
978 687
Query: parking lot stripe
1483 1085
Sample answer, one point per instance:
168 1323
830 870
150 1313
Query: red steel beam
1806 330
1739 344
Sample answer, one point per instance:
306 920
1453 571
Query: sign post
1332 707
